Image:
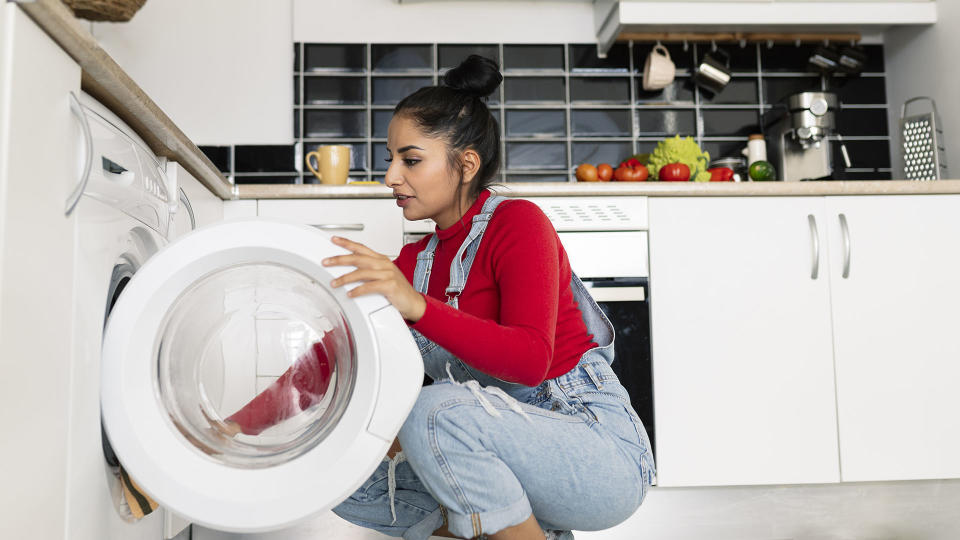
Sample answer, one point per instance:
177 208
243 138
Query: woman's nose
392 177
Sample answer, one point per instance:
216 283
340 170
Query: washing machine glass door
242 392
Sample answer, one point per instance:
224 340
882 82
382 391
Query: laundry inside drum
255 364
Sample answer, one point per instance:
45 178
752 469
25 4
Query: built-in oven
606 241
624 300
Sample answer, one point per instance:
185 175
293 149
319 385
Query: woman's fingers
355 247
360 261
370 287
363 274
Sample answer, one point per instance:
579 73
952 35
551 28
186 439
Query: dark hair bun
477 76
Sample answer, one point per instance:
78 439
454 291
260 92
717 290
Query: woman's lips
403 200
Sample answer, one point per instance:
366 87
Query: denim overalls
487 453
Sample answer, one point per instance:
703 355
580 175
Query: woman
526 429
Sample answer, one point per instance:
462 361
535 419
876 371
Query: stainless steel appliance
923 146
800 133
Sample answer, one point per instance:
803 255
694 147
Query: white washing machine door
206 326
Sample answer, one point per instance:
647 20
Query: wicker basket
105 10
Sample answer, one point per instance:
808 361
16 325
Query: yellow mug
333 164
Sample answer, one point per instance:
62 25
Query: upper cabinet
613 18
222 71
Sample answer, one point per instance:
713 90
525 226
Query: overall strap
460 267
421 274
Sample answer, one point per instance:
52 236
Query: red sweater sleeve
300 387
522 247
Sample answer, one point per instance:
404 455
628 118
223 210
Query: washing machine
174 335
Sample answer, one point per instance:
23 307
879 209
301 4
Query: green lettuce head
677 150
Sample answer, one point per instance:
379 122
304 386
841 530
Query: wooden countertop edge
653 189
105 80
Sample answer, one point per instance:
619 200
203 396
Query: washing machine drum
241 391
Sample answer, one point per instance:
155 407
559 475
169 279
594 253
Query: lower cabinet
741 342
896 316
377 223
805 339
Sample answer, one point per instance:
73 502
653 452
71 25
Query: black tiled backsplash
258 159
680 91
584 58
328 57
533 57
449 56
220 156
562 104
730 122
776 89
401 57
862 122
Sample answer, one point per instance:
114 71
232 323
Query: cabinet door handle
845 233
74 197
814 246
338 227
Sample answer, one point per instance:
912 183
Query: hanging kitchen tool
713 73
923 147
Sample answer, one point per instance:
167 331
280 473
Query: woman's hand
379 275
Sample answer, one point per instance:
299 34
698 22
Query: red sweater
517 319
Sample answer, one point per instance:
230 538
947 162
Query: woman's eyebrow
405 148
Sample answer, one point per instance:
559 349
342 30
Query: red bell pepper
720 174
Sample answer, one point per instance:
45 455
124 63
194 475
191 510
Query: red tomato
587 173
631 175
674 172
621 172
604 172
642 173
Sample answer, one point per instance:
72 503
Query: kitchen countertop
653 189
105 79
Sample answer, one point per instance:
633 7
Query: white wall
923 62
443 21
220 69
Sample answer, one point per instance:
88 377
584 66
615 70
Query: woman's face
420 175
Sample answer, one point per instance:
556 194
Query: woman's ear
470 161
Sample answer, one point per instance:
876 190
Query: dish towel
140 503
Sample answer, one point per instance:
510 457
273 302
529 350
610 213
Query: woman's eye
411 162
388 160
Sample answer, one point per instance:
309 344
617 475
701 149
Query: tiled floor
877 510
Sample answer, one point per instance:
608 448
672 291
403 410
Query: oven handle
618 294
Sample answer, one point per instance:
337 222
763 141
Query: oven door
624 301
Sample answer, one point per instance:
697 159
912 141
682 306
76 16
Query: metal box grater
923 147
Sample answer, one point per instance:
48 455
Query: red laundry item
304 384
517 318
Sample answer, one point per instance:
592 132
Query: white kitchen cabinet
615 17
221 71
895 317
40 160
741 341
377 223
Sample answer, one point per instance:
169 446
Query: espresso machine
800 132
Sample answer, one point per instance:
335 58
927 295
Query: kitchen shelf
615 18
